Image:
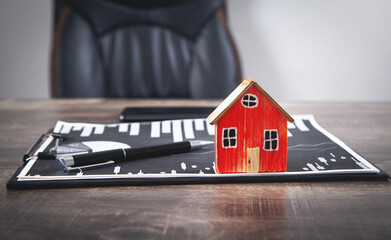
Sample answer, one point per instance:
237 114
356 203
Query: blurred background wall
298 50
25 38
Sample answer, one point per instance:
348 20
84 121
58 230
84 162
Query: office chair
143 49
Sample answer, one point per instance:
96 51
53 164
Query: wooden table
311 210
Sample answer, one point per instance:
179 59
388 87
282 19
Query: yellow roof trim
238 93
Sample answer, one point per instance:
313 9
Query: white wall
25 32
334 50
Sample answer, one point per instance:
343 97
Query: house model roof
237 94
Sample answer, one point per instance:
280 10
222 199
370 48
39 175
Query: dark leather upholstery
124 49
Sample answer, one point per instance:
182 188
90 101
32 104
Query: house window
250 101
229 137
270 140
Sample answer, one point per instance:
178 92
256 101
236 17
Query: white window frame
229 138
248 101
270 140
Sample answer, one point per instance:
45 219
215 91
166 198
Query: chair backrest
154 49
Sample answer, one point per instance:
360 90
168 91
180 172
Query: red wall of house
250 123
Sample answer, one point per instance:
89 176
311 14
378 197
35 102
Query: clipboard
314 154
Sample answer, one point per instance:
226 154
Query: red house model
250 132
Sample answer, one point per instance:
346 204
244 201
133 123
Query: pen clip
72 169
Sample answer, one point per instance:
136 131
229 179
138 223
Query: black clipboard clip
32 152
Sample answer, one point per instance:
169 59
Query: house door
253 155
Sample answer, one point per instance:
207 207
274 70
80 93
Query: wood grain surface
302 210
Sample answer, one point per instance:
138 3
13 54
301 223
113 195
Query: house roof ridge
238 93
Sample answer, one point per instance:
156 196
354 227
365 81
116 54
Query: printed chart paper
312 151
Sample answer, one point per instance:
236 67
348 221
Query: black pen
123 155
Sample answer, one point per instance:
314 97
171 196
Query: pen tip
206 143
